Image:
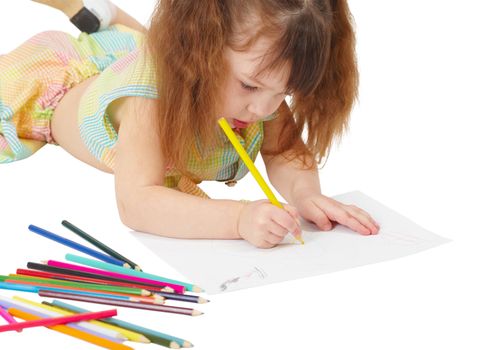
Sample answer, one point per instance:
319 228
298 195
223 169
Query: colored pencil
47 268
252 168
91 286
74 245
177 288
99 244
36 289
107 344
85 291
149 333
107 301
134 273
52 321
82 326
98 324
148 289
7 317
72 278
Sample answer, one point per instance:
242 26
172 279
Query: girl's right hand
264 225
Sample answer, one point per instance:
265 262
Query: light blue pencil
122 324
76 246
114 268
36 289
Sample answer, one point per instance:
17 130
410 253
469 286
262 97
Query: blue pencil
36 289
77 246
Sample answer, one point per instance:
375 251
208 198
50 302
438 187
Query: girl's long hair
315 38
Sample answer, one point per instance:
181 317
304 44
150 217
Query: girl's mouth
240 124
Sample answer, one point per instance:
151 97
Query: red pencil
51 321
4 313
66 277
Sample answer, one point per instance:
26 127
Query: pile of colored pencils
111 280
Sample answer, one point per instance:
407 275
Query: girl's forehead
252 61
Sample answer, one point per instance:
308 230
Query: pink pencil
176 287
52 321
4 313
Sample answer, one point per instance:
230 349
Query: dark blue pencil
77 246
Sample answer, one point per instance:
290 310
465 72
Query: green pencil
92 286
154 336
100 245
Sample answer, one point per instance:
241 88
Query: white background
415 144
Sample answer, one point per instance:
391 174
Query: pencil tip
197 289
174 345
144 339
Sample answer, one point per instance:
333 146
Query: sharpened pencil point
143 339
187 344
197 289
174 345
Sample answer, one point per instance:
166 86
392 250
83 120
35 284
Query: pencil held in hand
252 168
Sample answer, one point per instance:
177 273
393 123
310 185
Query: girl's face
248 99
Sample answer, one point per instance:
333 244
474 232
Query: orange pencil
90 338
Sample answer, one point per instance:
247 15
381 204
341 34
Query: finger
273 239
276 229
347 219
293 212
284 219
265 245
364 218
320 218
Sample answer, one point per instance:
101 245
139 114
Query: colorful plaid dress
35 76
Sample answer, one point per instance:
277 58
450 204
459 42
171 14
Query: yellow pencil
252 168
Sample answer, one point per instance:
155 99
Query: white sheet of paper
228 265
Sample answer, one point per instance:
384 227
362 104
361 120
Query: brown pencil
125 303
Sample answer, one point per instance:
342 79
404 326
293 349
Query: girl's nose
262 108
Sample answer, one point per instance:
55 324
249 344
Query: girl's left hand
322 211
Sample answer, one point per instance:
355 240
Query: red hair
315 37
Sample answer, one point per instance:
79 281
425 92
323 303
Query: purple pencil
131 304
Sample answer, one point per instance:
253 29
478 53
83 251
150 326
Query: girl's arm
146 205
143 203
288 178
301 187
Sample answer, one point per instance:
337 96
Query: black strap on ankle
86 21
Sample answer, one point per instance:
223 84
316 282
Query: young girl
143 105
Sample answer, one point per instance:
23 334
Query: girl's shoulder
99 113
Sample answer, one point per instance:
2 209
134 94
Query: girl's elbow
126 215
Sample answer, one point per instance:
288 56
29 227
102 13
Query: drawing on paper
254 273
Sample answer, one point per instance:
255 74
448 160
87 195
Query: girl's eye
248 87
